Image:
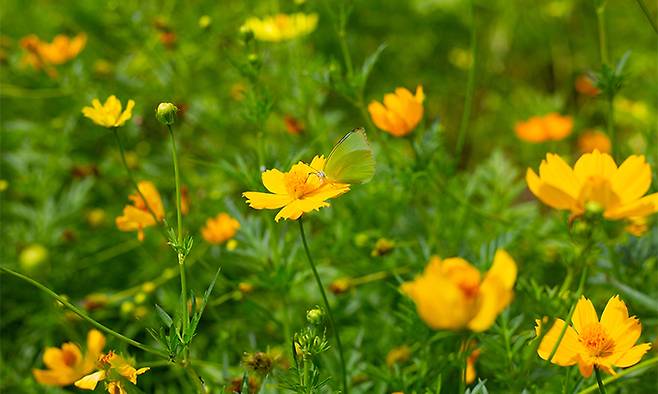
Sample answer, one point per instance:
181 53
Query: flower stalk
597 372
470 84
332 322
83 315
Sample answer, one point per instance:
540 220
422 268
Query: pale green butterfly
351 160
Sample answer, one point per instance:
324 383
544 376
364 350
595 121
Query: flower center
69 358
598 189
297 185
597 341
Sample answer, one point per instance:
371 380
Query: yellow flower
595 179
471 374
451 293
398 355
400 113
109 114
220 229
297 191
111 366
40 54
136 217
66 364
594 139
281 27
550 127
589 342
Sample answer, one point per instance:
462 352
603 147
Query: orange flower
585 86
112 368
594 139
451 294
597 182
136 217
66 364
400 113
592 343
44 55
220 229
552 127
297 191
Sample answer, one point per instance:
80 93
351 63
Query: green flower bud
315 316
32 257
166 113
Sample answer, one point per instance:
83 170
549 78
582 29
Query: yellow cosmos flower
452 295
550 127
281 27
109 114
44 55
297 191
589 342
594 139
136 217
400 113
220 229
595 179
66 364
111 366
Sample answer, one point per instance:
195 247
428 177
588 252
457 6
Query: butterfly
351 160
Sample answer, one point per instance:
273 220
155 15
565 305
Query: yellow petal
89 382
569 348
296 208
95 345
258 200
547 194
632 179
633 356
585 368
584 314
274 181
645 206
378 114
127 114
595 164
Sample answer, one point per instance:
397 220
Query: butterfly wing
351 160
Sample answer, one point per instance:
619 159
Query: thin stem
598 380
579 292
610 126
470 84
332 322
648 15
174 157
83 315
179 217
342 38
130 174
603 42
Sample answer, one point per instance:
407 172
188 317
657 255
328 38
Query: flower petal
584 314
569 349
274 181
89 382
633 356
548 194
258 200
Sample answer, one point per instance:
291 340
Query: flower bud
32 257
205 21
254 60
166 113
246 33
315 316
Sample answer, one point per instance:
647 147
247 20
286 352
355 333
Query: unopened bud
166 113
315 316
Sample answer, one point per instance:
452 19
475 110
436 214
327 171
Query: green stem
342 38
130 174
83 315
598 380
603 42
621 374
579 292
648 15
332 322
611 126
179 217
470 85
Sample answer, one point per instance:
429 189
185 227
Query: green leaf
164 316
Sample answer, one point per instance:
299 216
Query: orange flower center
597 341
297 185
599 190
469 289
69 358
